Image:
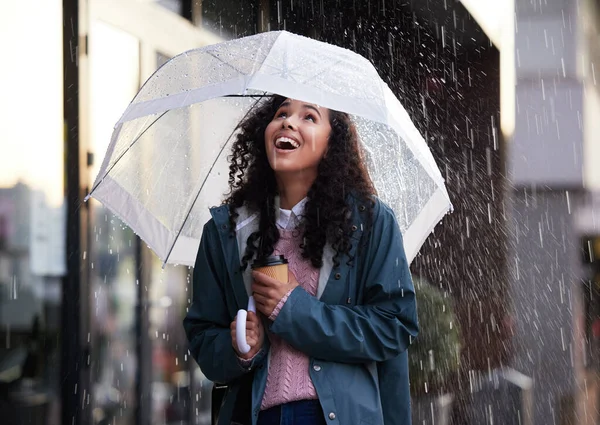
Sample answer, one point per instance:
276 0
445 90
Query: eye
281 114
311 117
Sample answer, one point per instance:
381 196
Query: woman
328 346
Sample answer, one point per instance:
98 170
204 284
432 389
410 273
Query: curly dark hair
327 215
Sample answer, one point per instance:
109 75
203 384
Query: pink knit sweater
288 378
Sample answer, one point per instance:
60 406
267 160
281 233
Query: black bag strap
242 410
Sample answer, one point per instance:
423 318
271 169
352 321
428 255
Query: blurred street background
507 95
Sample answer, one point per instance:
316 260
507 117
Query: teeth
280 140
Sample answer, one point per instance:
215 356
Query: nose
287 123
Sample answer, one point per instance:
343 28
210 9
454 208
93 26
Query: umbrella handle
240 329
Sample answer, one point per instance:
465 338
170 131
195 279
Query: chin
291 166
284 169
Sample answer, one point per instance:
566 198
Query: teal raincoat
356 334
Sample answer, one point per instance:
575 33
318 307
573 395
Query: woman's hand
268 291
255 336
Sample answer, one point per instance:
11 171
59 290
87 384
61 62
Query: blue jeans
303 412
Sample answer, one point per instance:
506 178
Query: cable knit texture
288 378
279 306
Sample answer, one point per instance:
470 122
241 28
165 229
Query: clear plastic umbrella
167 160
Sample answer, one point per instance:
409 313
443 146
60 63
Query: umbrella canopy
167 162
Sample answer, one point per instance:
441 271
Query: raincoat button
332 416
362 208
317 368
224 227
338 276
354 228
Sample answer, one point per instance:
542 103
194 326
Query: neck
293 188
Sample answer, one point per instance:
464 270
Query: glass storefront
141 369
32 213
114 80
591 296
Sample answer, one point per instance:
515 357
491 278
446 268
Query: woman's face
297 137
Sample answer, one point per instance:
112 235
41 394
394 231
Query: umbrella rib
249 95
251 58
124 152
312 77
225 63
205 179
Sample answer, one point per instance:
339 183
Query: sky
31 135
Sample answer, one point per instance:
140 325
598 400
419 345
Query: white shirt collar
286 219
289 219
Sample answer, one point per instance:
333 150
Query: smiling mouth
287 144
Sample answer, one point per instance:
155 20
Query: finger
265 280
260 298
259 289
252 317
262 308
269 293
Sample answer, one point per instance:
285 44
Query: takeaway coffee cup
275 266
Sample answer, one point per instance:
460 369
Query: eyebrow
306 105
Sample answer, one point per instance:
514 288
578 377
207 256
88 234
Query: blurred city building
506 94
